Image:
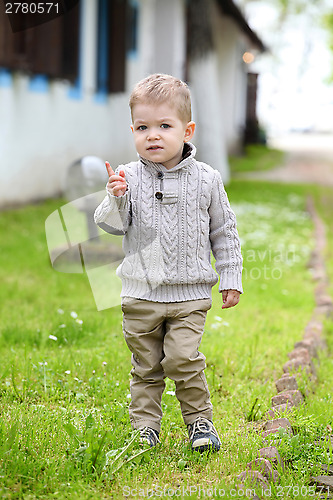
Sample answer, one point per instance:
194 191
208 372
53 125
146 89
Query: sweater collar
189 152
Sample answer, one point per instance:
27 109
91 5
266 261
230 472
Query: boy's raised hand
117 184
230 298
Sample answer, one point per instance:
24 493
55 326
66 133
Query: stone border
261 471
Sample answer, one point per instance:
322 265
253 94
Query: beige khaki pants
164 339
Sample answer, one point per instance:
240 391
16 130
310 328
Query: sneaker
203 435
150 436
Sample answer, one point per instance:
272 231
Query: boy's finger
122 173
119 188
109 168
232 300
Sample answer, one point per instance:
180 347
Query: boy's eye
142 127
165 125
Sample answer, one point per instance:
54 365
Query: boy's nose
153 134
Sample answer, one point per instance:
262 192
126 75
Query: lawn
256 157
64 377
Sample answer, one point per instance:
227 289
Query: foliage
328 24
319 12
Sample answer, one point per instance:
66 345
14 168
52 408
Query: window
132 26
49 49
113 35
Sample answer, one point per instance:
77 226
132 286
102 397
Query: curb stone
293 397
255 478
286 383
279 410
300 360
325 483
278 423
264 467
299 363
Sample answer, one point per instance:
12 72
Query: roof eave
230 9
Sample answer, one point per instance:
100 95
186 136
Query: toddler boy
173 211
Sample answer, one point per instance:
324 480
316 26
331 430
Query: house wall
43 133
230 46
44 129
161 42
46 126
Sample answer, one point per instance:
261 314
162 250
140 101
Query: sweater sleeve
113 215
224 238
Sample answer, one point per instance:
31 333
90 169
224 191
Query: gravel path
309 160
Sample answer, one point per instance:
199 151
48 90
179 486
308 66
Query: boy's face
159 133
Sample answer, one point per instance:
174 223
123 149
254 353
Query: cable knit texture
168 238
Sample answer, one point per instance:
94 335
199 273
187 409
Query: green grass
256 157
64 399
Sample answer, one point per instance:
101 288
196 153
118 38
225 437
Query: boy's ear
189 131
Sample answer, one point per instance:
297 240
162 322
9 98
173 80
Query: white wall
42 133
210 132
230 45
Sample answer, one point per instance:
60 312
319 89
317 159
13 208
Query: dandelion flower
104 363
79 321
53 337
171 393
62 326
74 314
60 311
67 372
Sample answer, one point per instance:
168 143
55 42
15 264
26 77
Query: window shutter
117 45
5 31
70 48
45 51
50 48
13 46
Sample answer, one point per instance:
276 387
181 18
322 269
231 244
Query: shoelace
201 425
150 434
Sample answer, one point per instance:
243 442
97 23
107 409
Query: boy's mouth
154 148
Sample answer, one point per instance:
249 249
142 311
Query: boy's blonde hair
159 88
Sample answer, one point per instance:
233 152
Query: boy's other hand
117 184
230 298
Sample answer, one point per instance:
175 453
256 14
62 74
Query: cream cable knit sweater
171 220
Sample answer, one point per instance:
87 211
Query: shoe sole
144 442
205 447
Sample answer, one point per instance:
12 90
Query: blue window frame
5 78
132 37
117 34
39 83
102 51
75 91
